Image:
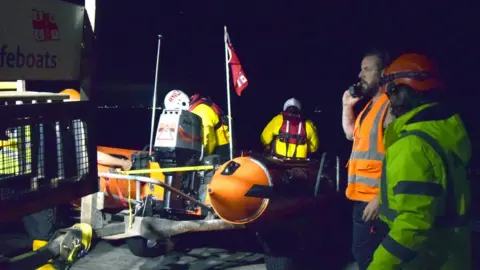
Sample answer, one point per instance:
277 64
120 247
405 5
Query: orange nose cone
227 191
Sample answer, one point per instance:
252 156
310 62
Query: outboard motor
178 143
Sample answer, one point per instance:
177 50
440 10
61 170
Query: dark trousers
367 236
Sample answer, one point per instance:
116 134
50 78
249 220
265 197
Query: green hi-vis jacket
424 193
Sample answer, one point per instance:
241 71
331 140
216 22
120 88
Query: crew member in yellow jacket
216 136
424 191
289 135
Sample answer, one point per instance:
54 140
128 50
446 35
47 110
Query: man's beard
369 90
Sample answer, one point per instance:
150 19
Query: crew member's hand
348 100
126 165
371 210
267 148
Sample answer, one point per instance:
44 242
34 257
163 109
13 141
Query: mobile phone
356 90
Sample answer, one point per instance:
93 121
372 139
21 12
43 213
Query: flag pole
229 104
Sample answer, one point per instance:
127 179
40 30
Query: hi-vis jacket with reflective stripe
212 137
424 193
365 164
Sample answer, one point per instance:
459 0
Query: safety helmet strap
420 76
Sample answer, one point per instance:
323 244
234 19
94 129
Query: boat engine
178 143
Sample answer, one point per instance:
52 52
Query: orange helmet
72 93
413 70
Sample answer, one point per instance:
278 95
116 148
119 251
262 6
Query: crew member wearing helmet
289 135
216 136
365 164
424 191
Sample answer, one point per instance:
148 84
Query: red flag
240 81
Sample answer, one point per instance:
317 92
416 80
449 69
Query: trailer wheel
142 247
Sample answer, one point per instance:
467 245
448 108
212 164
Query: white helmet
176 99
292 102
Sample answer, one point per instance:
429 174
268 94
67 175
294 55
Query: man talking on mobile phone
366 160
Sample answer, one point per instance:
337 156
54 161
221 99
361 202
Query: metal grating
44 148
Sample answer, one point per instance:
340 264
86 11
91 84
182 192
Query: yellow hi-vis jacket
214 133
272 130
9 152
9 157
424 192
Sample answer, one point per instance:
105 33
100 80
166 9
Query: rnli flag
240 81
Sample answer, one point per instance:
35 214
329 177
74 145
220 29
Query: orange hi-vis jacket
366 160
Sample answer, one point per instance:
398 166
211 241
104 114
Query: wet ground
187 255
105 256
217 250
192 254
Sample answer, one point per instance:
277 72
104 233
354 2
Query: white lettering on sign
241 80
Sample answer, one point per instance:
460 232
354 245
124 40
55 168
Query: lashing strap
119 191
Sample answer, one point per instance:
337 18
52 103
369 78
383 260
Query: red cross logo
44 26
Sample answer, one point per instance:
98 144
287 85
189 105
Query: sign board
167 129
40 40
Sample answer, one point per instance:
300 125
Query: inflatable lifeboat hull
252 189
117 192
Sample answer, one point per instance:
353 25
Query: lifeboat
250 189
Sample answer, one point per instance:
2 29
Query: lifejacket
222 117
292 131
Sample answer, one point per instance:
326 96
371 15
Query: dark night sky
307 49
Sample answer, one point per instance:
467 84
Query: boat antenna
154 101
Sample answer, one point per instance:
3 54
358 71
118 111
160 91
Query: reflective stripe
418 188
363 180
439 222
389 213
450 218
398 250
367 155
372 153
